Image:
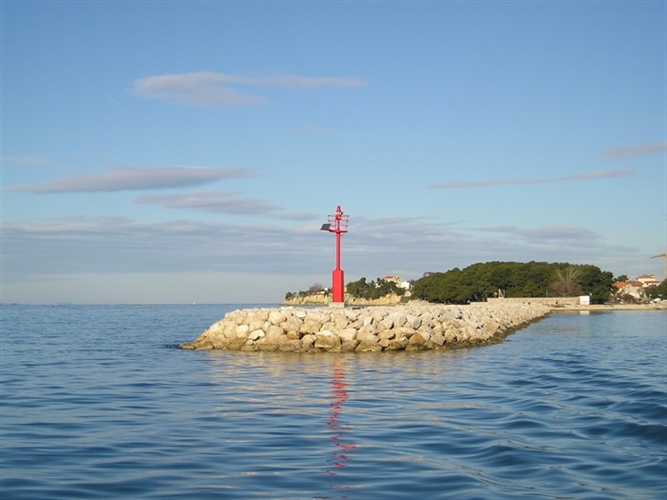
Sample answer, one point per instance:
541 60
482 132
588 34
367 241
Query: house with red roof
636 288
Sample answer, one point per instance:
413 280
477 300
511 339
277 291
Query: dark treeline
362 289
373 289
514 279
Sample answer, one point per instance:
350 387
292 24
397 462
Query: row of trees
362 289
315 289
373 289
514 279
492 279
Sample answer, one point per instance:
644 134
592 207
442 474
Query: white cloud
299 216
634 151
80 245
565 234
121 178
207 88
408 247
27 160
220 202
586 176
210 201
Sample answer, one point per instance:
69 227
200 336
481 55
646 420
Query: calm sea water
98 403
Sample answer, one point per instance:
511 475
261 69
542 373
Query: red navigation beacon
337 224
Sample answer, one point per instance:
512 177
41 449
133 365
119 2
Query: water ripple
96 404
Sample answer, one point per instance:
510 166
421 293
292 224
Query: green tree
438 287
513 279
373 290
315 289
358 288
657 292
596 283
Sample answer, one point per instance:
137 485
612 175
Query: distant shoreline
660 306
563 306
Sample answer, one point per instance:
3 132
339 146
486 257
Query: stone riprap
379 328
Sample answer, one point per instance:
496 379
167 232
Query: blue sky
166 152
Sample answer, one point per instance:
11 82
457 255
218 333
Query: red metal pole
338 282
337 249
338 216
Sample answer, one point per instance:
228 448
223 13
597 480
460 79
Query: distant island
489 280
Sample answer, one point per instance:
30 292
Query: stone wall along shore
379 328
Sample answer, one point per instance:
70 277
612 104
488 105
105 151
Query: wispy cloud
72 247
79 245
210 201
120 178
221 202
299 216
563 233
207 88
27 160
622 152
600 174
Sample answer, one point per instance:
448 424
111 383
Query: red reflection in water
340 455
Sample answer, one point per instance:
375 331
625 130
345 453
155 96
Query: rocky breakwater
390 328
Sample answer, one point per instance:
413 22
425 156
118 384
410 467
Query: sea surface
98 402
